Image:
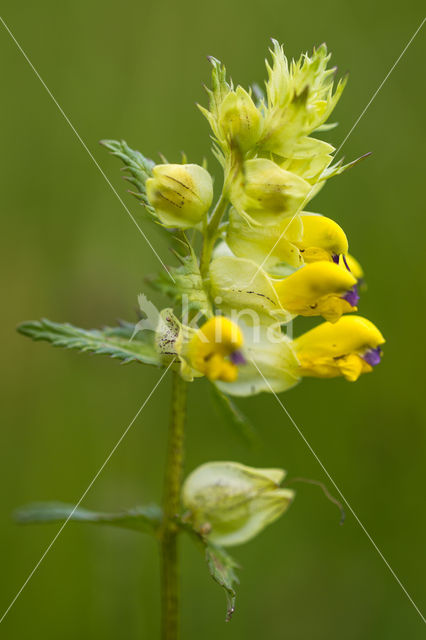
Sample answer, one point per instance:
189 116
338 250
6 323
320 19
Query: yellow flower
296 239
352 264
214 349
318 289
347 348
181 194
322 239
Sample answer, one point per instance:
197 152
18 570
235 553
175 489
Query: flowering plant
253 262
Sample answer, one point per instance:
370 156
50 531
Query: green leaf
138 167
228 410
114 342
222 569
146 519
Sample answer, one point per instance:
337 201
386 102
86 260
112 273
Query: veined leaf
227 409
222 569
146 519
114 342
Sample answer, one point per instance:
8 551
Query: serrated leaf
222 569
146 519
113 342
227 409
138 167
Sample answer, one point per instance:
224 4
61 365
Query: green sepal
228 410
146 519
187 281
113 342
138 167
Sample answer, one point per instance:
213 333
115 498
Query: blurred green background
135 70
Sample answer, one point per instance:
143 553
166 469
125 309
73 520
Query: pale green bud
232 503
240 122
181 194
267 192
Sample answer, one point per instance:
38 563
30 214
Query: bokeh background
69 252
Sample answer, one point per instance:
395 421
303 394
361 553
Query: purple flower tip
352 296
335 258
372 356
237 358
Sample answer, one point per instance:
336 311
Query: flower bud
268 193
180 193
240 121
234 502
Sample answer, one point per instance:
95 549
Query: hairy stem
211 234
171 504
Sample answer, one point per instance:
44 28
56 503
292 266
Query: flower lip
237 358
372 356
352 296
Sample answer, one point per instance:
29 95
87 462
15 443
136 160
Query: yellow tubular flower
214 349
322 239
318 289
347 348
304 238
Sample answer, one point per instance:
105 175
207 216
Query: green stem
171 505
211 234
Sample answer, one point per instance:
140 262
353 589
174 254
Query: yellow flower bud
234 502
317 289
347 348
214 347
180 193
240 122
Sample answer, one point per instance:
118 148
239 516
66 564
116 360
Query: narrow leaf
114 342
146 519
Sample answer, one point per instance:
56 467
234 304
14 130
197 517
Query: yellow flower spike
211 349
181 194
322 239
347 348
317 289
